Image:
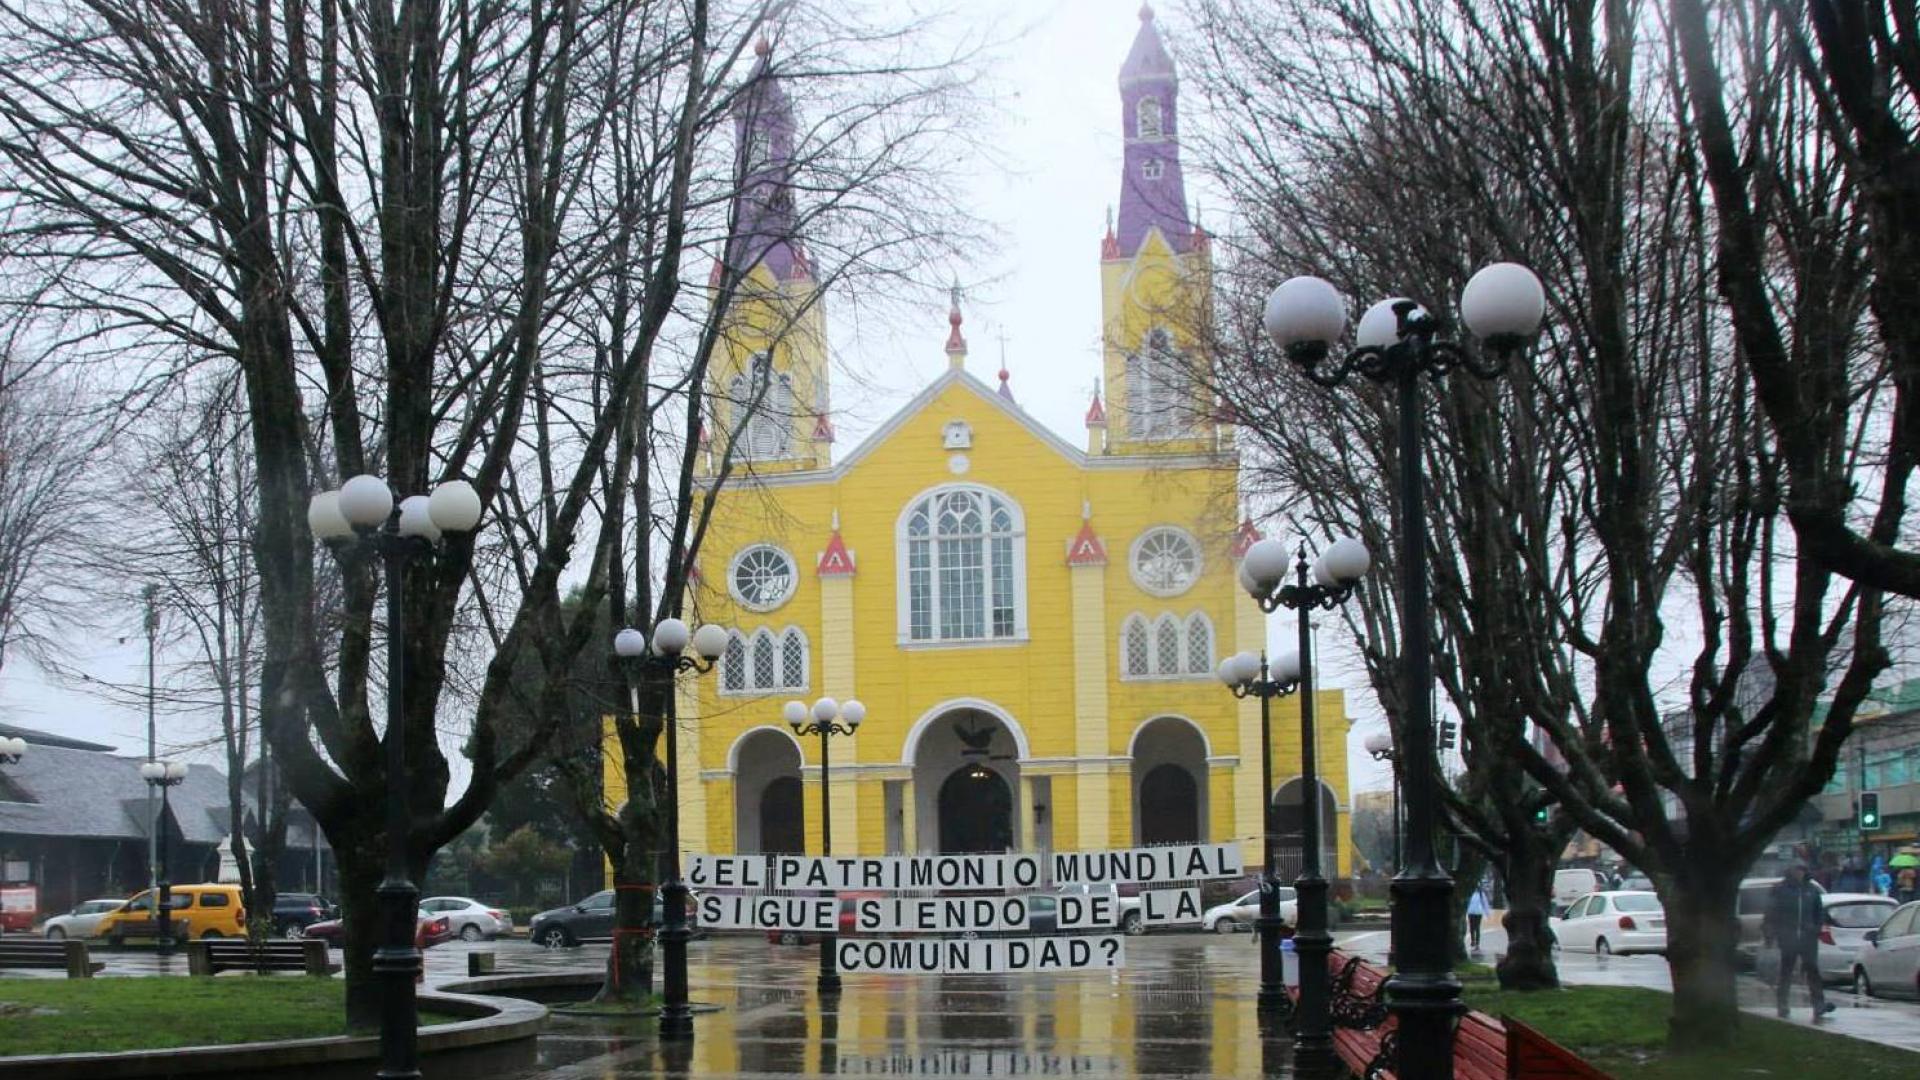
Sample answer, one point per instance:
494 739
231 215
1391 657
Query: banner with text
902 873
978 956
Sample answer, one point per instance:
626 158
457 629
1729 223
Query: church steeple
763 215
769 376
1153 192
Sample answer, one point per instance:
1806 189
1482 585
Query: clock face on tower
762 577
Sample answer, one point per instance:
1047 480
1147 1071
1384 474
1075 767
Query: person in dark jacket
1793 921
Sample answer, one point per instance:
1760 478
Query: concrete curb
500 1035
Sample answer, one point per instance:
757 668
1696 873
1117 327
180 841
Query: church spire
956 341
1152 190
764 230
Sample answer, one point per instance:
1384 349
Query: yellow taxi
194 911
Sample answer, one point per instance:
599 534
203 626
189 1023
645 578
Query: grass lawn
1624 1031
59 1016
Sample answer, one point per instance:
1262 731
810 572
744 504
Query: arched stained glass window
962 567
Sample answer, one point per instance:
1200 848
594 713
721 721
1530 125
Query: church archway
1169 782
966 781
769 812
1289 829
976 811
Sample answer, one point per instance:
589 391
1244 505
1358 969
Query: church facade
1032 624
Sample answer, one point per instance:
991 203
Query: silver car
1239 913
469 919
1849 918
82 922
1888 963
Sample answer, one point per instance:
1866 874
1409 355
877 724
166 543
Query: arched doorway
769 813
966 781
1169 782
1169 807
976 811
1289 829
782 817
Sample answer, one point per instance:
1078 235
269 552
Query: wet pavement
1182 1007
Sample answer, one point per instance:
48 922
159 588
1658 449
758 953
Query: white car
1888 964
1606 923
82 921
1849 917
1239 913
467 918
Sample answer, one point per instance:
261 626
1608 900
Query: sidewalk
1888 1023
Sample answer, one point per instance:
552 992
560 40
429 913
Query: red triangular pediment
1244 537
836 561
1086 549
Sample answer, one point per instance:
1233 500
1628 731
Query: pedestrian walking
1477 909
1795 915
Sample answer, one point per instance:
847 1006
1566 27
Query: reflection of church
1032 625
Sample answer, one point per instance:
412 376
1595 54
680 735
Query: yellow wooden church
1032 625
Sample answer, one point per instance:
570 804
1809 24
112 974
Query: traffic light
1542 814
1448 730
1869 811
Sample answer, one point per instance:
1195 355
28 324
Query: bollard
479 963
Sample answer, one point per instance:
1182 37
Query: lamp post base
1422 993
1272 999
676 1015
1313 1021
397 964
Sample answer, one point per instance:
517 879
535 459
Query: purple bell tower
1152 191
763 224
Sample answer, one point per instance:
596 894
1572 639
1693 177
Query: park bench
214 955
27 952
1484 1048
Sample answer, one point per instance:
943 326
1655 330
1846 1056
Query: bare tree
44 515
1626 478
365 213
1857 68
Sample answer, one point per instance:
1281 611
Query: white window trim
903 596
779 638
733 564
1152 626
1133 556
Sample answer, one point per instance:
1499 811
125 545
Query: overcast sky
1058 135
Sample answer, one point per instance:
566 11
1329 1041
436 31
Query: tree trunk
1701 935
360 864
1528 963
630 960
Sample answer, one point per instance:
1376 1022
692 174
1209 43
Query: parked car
1751 911
294 912
82 922
1887 964
1239 913
1849 916
1573 883
470 919
194 911
589 920
428 930
1613 922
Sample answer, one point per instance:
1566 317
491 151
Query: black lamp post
1395 343
362 517
1325 583
1245 674
826 719
1380 748
666 659
164 776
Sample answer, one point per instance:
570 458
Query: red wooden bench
1484 1048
